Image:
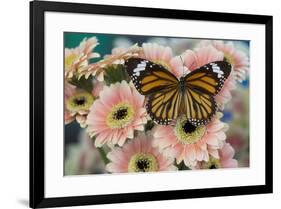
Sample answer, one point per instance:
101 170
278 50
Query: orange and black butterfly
168 97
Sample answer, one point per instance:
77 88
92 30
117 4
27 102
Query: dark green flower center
188 127
142 162
213 166
187 133
80 100
121 113
143 165
213 163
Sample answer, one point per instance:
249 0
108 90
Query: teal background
72 40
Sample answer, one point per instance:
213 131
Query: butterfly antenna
182 65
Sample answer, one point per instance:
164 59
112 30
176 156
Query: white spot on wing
216 69
140 67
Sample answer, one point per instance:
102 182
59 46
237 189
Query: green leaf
103 155
182 166
115 73
83 83
149 125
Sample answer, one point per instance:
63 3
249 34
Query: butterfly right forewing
209 78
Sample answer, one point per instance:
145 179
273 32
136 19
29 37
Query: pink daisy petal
121 157
102 120
101 138
166 139
231 163
238 59
227 151
73 111
222 158
78 57
212 140
214 153
190 59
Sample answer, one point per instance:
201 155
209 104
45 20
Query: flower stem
182 166
103 155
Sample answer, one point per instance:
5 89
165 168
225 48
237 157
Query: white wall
14 70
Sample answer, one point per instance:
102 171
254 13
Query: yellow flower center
120 115
187 133
142 162
69 60
213 163
229 58
81 101
72 59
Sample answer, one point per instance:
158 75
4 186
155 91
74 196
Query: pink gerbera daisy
69 90
97 87
121 53
191 60
223 160
117 57
195 59
225 93
189 143
116 114
237 58
77 58
158 54
77 103
138 155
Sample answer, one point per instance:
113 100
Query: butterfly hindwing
199 107
201 86
149 77
163 106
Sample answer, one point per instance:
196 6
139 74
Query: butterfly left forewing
149 77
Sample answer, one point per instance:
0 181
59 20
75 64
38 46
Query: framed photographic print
141 104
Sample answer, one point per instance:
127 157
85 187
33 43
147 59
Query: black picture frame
37 195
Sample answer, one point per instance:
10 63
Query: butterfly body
168 97
182 84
